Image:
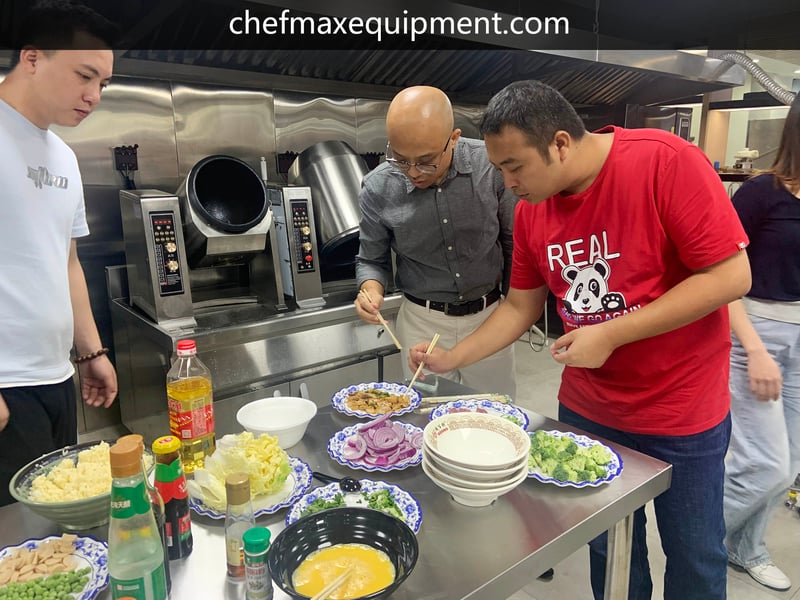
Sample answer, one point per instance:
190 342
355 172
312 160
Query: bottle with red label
171 484
191 406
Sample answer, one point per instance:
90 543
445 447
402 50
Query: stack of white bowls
476 457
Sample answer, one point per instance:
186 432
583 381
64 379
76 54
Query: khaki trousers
494 374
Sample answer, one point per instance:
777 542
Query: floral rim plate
297 484
614 467
339 399
509 411
339 439
90 553
412 512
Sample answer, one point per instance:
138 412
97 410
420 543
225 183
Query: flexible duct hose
761 76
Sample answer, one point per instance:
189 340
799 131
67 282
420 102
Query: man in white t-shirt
44 302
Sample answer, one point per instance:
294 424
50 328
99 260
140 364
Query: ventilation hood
468 69
618 77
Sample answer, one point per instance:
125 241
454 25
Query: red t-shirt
656 212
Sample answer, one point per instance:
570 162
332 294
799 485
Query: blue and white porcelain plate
508 411
337 443
297 484
614 468
408 505
339 399
88 552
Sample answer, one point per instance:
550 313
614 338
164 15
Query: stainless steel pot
333 171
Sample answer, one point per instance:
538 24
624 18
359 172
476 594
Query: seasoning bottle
171 484
156 502
135 554
238 519
191 406
259 583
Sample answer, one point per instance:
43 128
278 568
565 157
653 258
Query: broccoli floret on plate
577 462
564 473
599 455
563 459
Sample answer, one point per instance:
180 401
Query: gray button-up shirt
452 241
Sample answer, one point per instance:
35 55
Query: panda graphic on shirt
588 289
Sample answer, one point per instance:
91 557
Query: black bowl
350 525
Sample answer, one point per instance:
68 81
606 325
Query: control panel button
170 247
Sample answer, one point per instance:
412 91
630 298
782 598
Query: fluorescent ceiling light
782 106
687 105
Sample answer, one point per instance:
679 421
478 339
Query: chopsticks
333 585
431 346
382 320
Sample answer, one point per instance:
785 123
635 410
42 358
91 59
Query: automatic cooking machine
224 240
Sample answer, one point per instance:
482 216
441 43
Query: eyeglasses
405 166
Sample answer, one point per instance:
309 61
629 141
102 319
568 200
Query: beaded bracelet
91 355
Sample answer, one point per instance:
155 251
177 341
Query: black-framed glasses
405 166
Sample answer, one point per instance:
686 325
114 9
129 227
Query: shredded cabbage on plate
261 458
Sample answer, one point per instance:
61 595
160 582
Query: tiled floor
538 377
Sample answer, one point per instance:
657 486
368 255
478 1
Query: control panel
304 241
168 265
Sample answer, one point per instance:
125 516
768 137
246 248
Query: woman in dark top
764 455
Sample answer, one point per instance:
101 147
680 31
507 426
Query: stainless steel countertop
467 553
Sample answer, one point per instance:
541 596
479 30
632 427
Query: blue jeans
689 514
764 455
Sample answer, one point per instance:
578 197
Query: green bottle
135 553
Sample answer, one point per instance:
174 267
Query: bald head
418 109
419 125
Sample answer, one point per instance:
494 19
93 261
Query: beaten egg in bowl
372 571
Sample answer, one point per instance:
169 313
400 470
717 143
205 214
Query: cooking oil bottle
191 406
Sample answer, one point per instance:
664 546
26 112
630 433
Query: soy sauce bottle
170 482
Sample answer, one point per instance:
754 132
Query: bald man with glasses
447 217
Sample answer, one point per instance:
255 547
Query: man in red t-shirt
634 234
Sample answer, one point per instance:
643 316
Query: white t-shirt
41 210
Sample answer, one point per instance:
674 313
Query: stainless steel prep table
475 553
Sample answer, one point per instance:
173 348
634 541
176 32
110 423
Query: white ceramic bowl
473 497
285 417
441 473
477 440
479 475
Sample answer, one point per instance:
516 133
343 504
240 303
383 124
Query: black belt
459 309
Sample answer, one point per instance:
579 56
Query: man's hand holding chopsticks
438 361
